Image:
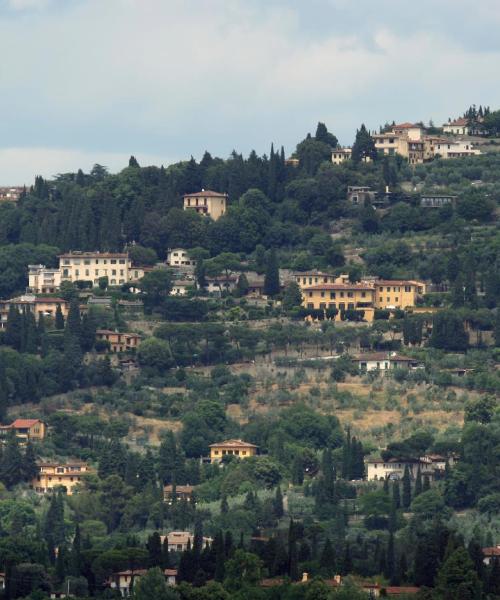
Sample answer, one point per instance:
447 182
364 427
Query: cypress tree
30 341
73 322
293 562
11 467
218 546
418 483
59 318
29 467
328 476
76 553
391 558
297 471
278 504
328 560
61 564
406 498
224 506
386 486
13 328
228 545
154 547
396 497
493 585
427 484
347 561
272 276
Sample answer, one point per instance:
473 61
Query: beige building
207 203
119 342
397 293
10 194
432 465
455 149
124 581
457 127
310 278
181 492
341 155
341 297
178 257
237 448
179 541
91 266
56 475
46 306
384 361
33 430
42 280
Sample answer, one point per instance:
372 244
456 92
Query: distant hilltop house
53 475
464 126
178 493
179 257
124 581
341 155
38 305
11 194
237 448
84 266
207 203
322 291
119 342
362 195
437 200
33 430
413 143
385 361
179 541
491 554
431 465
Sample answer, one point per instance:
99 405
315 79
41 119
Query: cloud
176 77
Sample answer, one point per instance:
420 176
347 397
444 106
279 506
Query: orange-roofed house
398 293
119 342
341 297
237 448
26 429
207 203
53 475
124 581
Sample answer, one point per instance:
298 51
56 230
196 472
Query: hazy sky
85 81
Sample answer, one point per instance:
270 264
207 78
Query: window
407 288
122 261
77 272
113 261
332 295
332 305
310 305
322 305
322 294
310 294
87 272
380 299
341 294
86 261
363 294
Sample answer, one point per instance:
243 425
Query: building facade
384 361
178 257
56 475
42 280
207 203
33 430
91 266
237 448
437 200
341 155
179 541
378 469
124 581
11 194
180 492
119 342
46 306
397 293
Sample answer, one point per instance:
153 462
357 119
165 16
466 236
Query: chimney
305 577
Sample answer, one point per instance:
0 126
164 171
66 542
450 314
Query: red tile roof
461 122
492 551
406 126
399 591
232 444
206 193
382 356
24 423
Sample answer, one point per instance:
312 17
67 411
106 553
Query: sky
94 81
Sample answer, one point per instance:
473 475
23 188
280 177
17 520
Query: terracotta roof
339 286
232 444
460 122
400 590
129 572
24 423
49 300
406 126
111 332
206 193
492 551
186 489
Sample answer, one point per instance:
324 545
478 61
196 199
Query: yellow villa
207 203
32 430
398 293
55 475
340 296
237 448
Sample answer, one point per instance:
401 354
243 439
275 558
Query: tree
155 550
457 579
155 354
244 569
272 276
292 296
323 135
406 497
278 504
364 146
153 585
155 287
480 410
448 332
328 559
59 319
242 286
